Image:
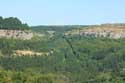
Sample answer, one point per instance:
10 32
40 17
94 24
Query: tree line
12 23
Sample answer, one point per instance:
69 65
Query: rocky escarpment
108 30
16 34
31 53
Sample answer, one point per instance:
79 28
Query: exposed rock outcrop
31 53
16 34
105 32
108 30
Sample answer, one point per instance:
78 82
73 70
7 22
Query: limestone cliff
16 34
106 30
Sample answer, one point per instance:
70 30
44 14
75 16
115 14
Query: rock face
31 53
105 32
16 34
110 31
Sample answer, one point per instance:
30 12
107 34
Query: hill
12 23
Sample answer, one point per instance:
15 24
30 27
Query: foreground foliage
30 77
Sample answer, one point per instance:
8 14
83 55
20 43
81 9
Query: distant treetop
12 23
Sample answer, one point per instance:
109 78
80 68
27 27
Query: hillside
54 57
58 28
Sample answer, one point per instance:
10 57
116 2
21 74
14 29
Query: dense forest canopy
12 23
96 60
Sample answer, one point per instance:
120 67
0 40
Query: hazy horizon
64 12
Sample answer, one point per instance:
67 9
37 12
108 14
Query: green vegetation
29 77
95 61
75 59
12 23
56 28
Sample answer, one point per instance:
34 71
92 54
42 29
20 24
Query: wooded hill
12 23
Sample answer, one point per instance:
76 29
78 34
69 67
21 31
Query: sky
64 12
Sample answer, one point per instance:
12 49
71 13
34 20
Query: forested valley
75 58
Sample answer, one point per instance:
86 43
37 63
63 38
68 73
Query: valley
63 54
